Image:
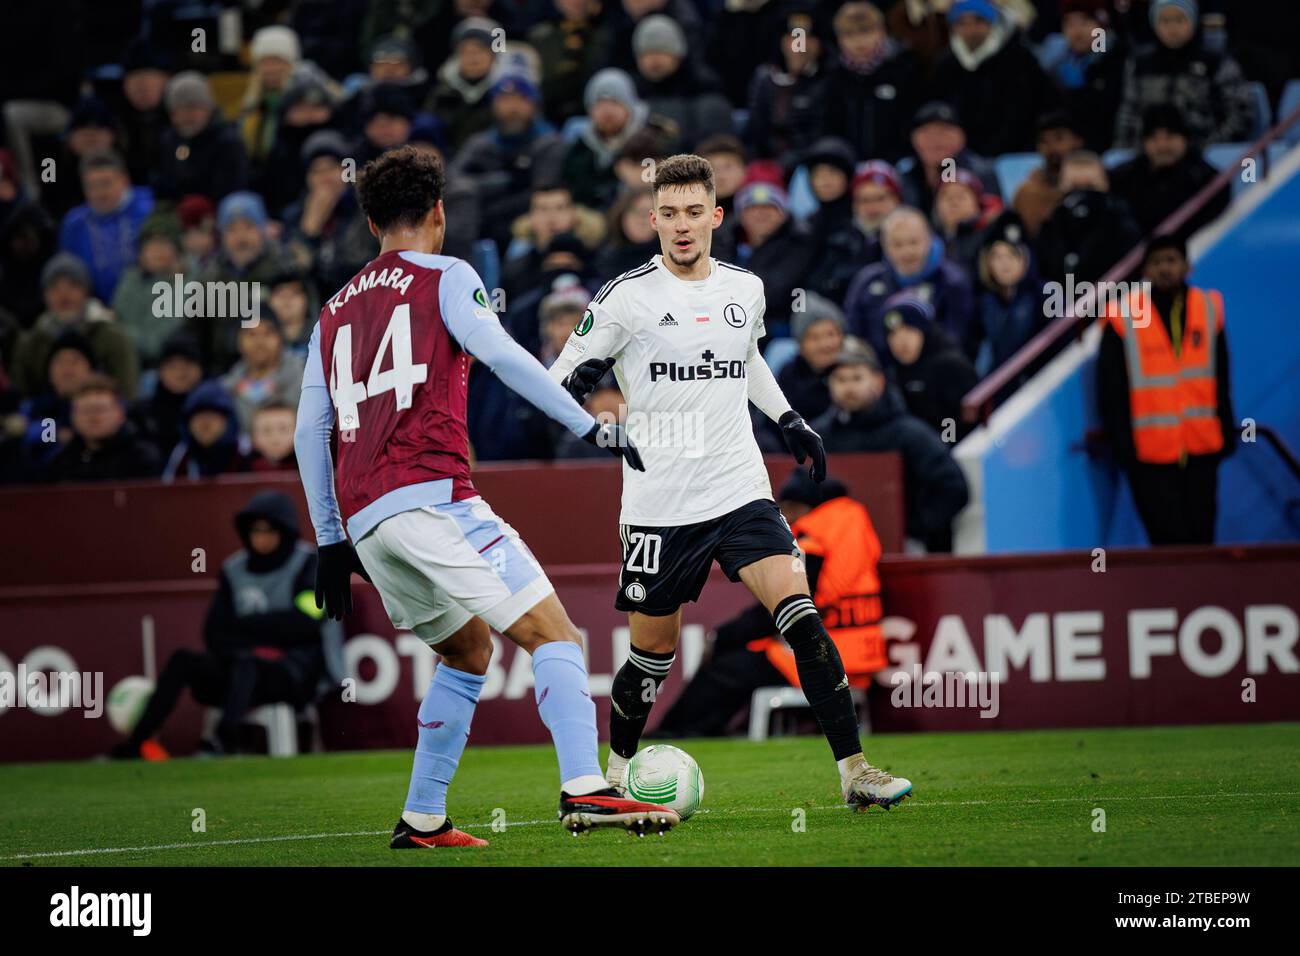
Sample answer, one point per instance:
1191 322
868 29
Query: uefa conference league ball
126 702
666 776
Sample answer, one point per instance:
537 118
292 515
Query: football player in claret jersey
388 362
681 333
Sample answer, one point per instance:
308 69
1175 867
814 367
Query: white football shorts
439 565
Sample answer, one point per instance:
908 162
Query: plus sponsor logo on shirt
708 368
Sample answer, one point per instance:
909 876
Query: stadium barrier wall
1163 636
567 512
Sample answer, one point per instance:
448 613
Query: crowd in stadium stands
853 146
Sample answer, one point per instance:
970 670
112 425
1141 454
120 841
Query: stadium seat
1114 157
768 700
1013 169
1289 103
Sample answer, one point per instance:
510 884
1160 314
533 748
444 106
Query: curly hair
400 187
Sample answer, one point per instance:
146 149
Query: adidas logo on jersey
667 319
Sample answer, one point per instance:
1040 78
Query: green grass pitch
1170 796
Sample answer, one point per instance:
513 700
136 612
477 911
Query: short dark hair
400 187
1172 241
684 169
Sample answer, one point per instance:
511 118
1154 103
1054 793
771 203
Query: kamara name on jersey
709 368
393 278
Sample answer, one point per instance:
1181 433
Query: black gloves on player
616 440
582 381
803 443
335 564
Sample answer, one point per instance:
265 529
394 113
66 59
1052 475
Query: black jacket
125 455
873 112
1155 194
934 385
212 163
1000 101
782 262
933 484
1088 233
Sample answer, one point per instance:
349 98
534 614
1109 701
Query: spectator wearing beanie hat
787 96
875 192
159 260
1009 299
871 89
615 114
927 366
210 440
92 129
1039 195
157 416
460 94
199 152
275 54
1087 68
387 114
521 148
138 104
1209 88
992 79
307 107
628 15
250 259
938 140
775 246
70 365
70 306
819 331
676 87
1167 172
830 163
198 220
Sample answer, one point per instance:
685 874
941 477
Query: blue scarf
932 263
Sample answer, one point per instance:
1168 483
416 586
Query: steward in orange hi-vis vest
842 554
1172 388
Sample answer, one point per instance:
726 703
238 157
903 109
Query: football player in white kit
681 333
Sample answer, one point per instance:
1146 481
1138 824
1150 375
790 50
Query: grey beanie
816 309
659 33
189 89
64 265
610 83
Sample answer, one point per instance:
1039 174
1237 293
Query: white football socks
615 770
587 783
424 822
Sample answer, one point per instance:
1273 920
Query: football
667 776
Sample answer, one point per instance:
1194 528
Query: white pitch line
920 804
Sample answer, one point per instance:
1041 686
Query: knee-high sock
821 672
445 716
563 696
632 696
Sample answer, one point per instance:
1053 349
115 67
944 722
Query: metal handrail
977 405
